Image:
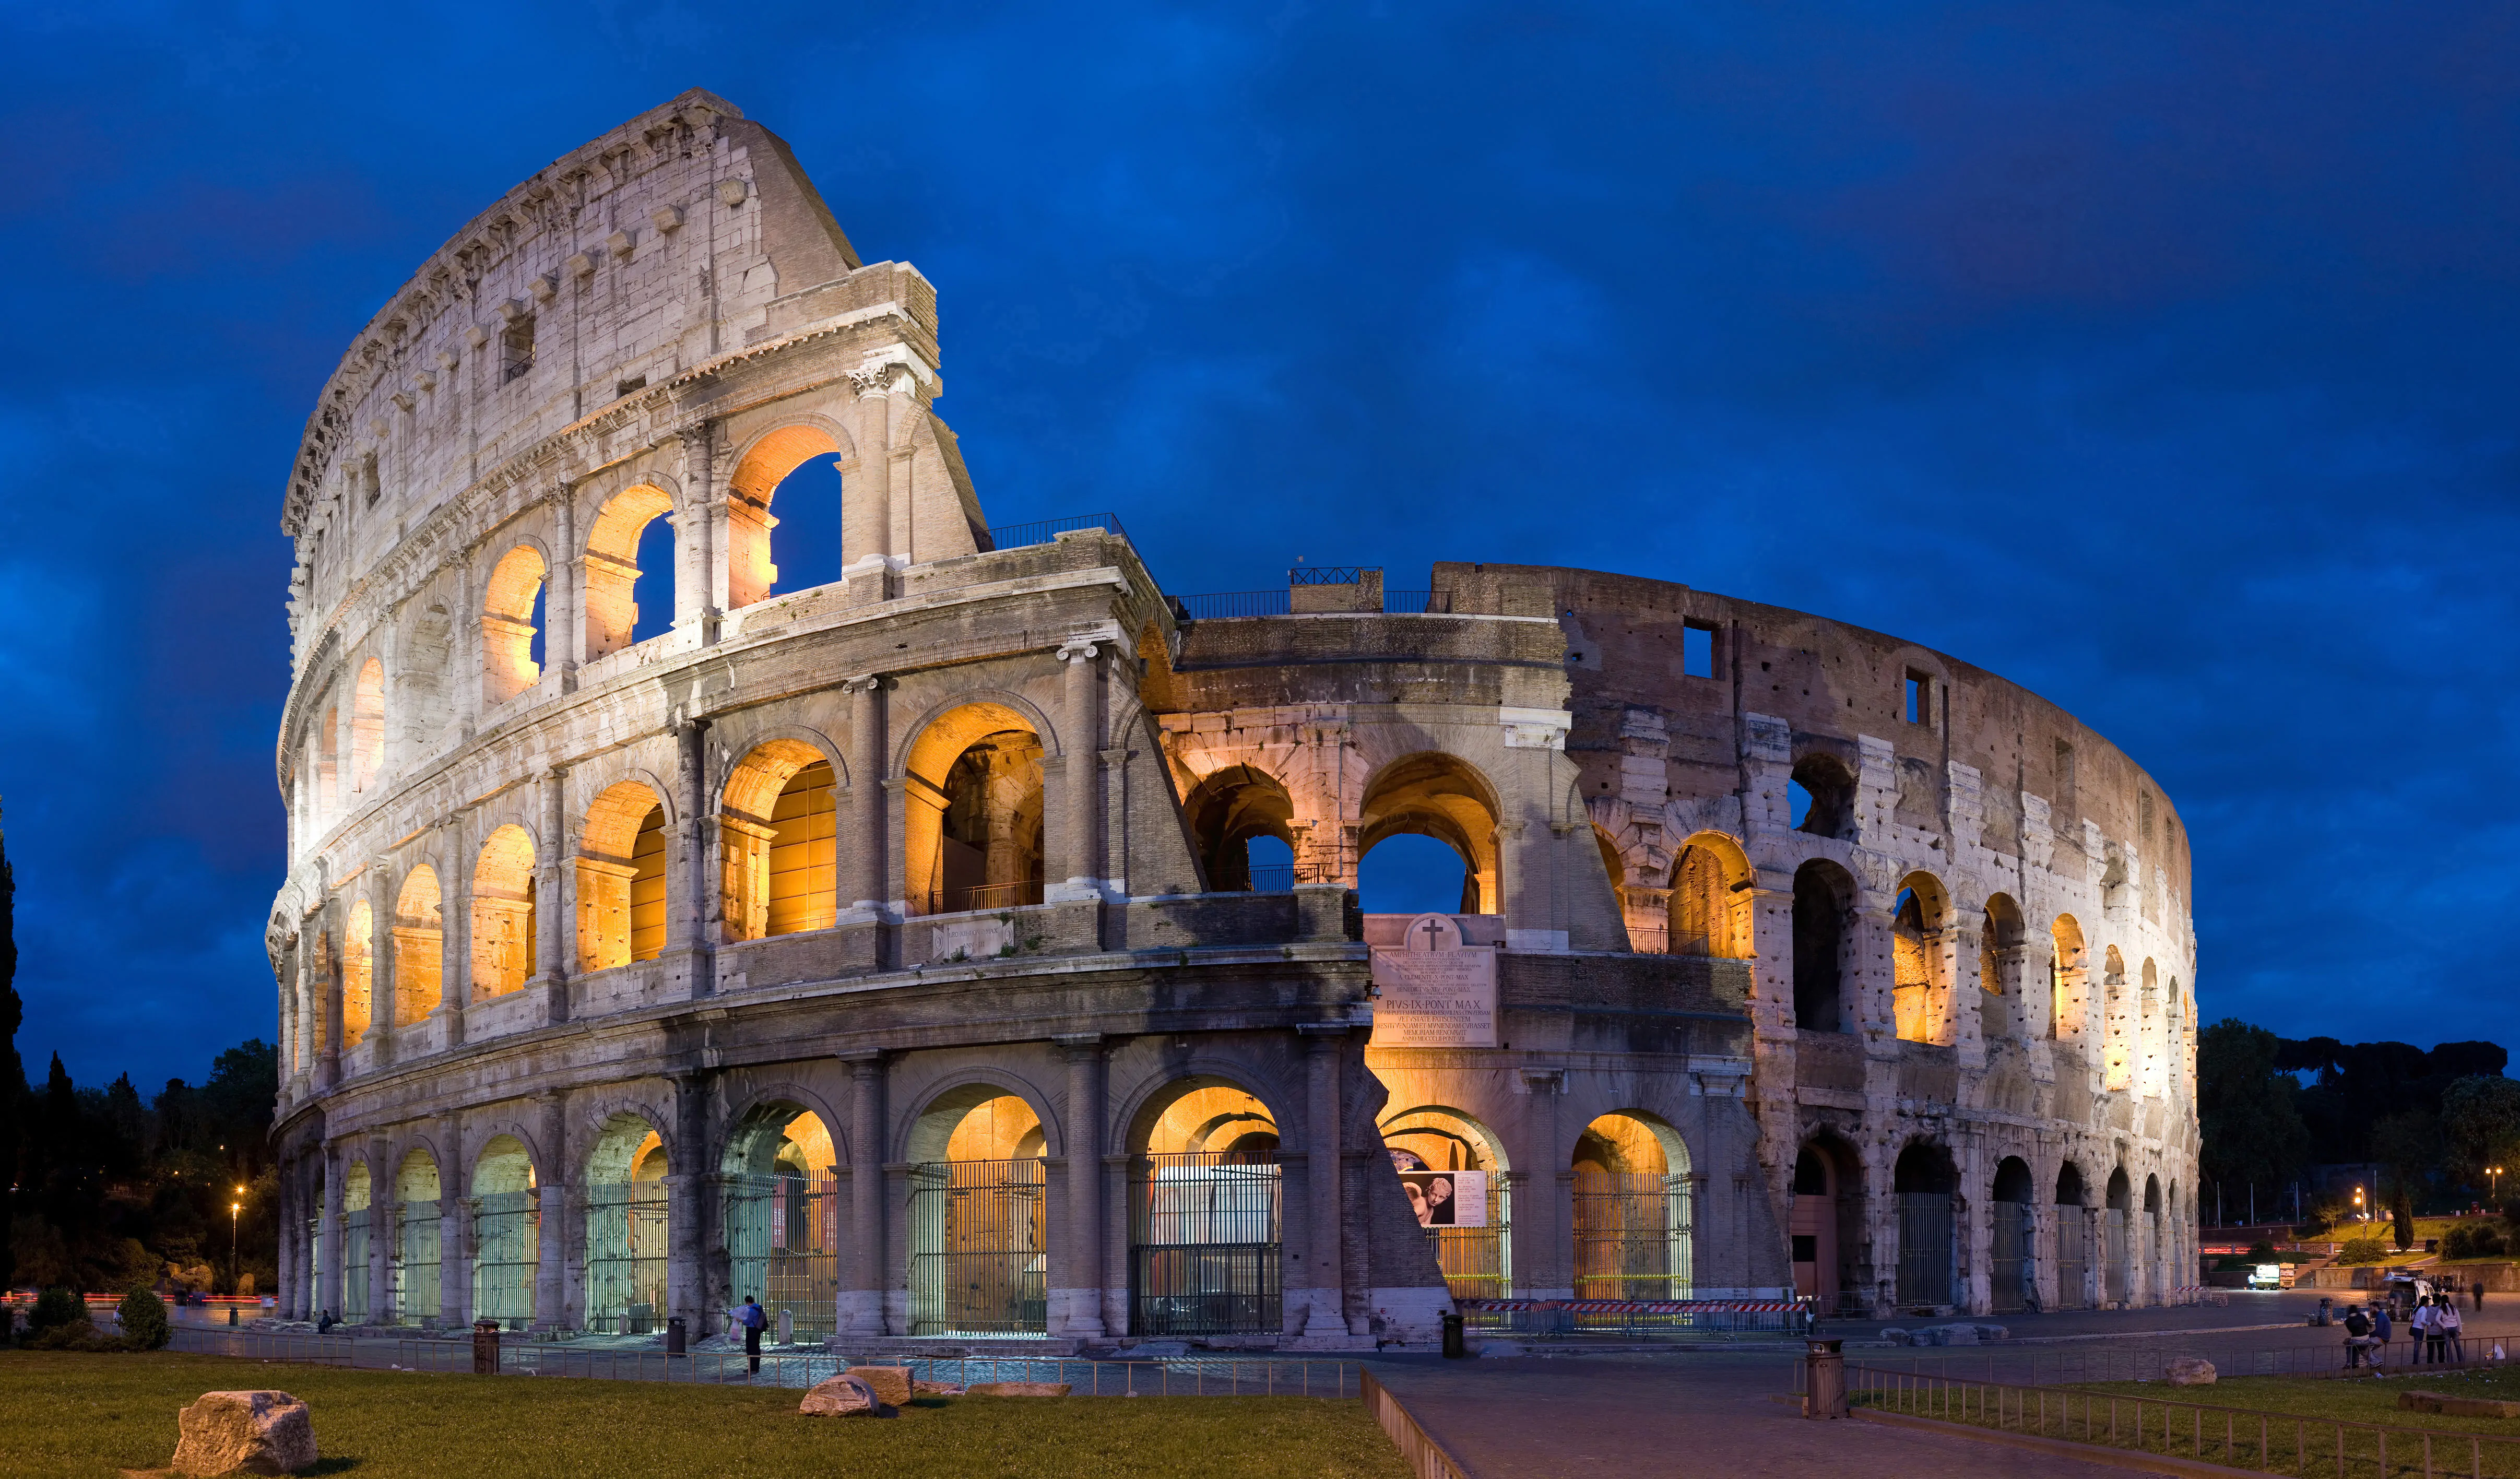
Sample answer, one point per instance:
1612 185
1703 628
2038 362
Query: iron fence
1638 1319
1478 1262
1631 1235
1180 1376
1205 1254
981 897
414 1271
782 1239
2073 1257
506 1247
1417 602
976 1261
627 1238
354 1265
2012 1270
1042 531
1925 1247
1222 605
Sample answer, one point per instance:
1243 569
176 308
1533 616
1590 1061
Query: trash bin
485 1348
1824 1379
674 1335
1454 1348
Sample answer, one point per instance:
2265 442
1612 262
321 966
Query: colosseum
965 946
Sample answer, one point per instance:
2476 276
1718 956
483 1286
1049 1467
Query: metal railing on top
1042 530
2235 1437
981 897
1309 575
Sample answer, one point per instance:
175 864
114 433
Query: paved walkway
1683 1414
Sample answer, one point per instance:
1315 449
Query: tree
2481 1117
12 1073
2408 1147
2247 1108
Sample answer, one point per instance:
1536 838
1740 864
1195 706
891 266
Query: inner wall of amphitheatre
968 943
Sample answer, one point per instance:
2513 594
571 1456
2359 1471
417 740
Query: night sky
2160 358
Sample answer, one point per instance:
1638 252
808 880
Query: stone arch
508 630
1633 1222
413 1257
1825 895
2117 1227
503 913
2151 1075
1709 912
1831 787
1429 1146
628 1222
622 873
358 974
424 665
1919 926
2068 980
2002 1009
760 467
419 946
1826 1224
2073 1251
506 1232
1206 1213
972 802
980 1215
1924 1181
777 828
2012 1273
782 1207
1472 1144
612 574
1228 809
1439 795
368 725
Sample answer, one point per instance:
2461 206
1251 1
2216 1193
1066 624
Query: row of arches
2094 1252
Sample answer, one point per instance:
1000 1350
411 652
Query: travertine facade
896 949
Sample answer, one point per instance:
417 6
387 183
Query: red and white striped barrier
1632 1306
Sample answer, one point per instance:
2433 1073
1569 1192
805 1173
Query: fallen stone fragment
889 1383
244 1433
2191 1371
937 1388
844 1396
2457 1406
1019 1389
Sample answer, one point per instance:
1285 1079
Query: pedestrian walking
754 1318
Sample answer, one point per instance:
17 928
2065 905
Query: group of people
2434 1324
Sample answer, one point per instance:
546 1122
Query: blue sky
2161 358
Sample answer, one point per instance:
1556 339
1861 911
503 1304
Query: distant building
896 949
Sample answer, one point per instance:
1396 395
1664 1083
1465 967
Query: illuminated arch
1710 885
419 945
1227 810
368 725
758 471
358 975
1920 993
503 913
1445 797
621 879
776 829
612 570
2068 980
508 665
971 825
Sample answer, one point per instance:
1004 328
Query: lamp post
2358 1204
2496 1172
233 1208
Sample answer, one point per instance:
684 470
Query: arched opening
621 879
2154 1225
2073 1240
1435 795
2013 1271
623 561
973 812
328 768
978 1222
357 1194
1826 1223
1917 924
1708 885
1631 1213
799 468
512 623
2067 981
420 947
2001 1008
1470 1217
2151 1036
503 913
1233 809
415 1255
2115 1221
782 1216
368 725
358 975
1923 1182
1823 898
2117 1048
424 704
1822 796
777 827
626 1228
506 1233
1205 1214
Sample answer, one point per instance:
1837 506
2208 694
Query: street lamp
233 1208
2496 1172
2359 1213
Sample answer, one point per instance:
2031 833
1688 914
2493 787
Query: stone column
862 1282
1081 769
866 511
862 877
381 957
687 1204
699 576
454 1228
551 1192
686 955
1076 1308
286 1271
1324 1259
330 1285
455 914
1542 1209
561 603
381 1224
335 921
554 912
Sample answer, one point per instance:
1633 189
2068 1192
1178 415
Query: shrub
56 1307
2262 1251
144 1320
79 1334
2459 1241
2365 1249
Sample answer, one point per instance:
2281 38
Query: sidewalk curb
2059 1448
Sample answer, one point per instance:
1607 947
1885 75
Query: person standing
2380 1333
2479 1291
2419 1333
2358 1335
754 1318
2445 1328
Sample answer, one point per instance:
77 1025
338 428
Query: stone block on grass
844 1396
2190 1370
889 1383
1019 1389
244 1433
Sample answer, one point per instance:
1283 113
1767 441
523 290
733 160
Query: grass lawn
2358 1398
73 1417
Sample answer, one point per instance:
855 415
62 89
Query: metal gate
1478 1262
507 1245
1631 1235
2011 1269
1925 1247
1205 1251
355 1267
414 1271
977 1262
783 1244
2073 1257
2113 1222
626 1257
